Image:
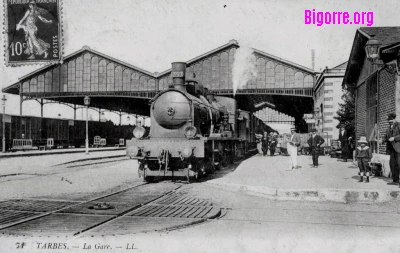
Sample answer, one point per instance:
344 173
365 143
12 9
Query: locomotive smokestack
178 75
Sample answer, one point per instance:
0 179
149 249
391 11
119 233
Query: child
363 155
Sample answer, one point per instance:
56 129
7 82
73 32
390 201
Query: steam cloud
244 68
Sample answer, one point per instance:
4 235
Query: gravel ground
87 180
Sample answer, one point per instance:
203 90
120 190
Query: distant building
327 96
377 85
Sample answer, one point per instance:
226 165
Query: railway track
60 168
142 207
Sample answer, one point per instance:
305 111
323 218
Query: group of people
270 141
314 142
392 140
267 142
363 153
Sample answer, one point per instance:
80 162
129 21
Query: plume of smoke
244 68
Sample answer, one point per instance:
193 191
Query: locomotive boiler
192 131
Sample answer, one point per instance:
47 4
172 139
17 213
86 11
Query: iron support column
87 130
21 100
41 108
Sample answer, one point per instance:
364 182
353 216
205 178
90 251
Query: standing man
292 148
272 143
392 138
315 142
265 143
344 143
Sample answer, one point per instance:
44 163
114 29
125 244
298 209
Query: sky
151 34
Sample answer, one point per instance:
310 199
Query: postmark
33 32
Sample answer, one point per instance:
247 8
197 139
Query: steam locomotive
192 131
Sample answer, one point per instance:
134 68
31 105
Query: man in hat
292 148
344 142
272 143
392 139
315 142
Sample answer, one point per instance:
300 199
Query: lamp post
4 99
87 103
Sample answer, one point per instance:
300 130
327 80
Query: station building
327 96
374 74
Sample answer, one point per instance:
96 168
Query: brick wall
361 101
386 102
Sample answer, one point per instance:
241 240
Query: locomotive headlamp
187 152
190 132
139 132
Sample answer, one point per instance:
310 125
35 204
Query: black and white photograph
199 126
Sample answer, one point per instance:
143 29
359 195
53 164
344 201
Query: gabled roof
386 35
284 61
231 43
337 71
234 43
341 66
14 88
86 49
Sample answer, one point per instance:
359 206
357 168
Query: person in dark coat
265 143
392 139
344 142
315 142
272 143
363 155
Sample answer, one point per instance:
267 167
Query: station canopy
115 85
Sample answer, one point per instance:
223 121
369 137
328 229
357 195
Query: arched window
86 72
110 77
135 81
215 64
261 73
56 79
143 83
224 62
289 78
40 83
118 78
102 75
207 73
308 82
126 79
270 74
33 85
151 85
279 77
79 74
94 74
64 78
298 80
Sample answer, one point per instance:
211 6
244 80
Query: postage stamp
32 31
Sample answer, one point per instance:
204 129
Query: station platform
334 180
56 151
